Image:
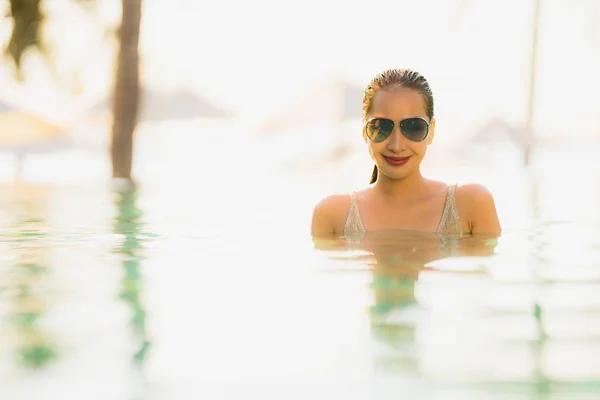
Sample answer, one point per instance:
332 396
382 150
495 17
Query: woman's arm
329 216
480 209
323 218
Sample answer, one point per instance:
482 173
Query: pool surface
205 284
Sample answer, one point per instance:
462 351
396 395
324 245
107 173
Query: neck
405 188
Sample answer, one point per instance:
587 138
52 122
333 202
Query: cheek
371 153
419 148
373 148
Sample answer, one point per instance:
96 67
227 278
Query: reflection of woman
399 258
399 125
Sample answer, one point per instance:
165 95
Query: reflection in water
128 224
399 258
26 286
438 312
396 261
514 318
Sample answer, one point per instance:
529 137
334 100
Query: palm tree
28 17
533 61
126 90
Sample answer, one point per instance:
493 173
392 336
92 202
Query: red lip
396 160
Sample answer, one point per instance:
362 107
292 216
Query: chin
394 175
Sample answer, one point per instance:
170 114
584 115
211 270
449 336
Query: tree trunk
126 90
532 82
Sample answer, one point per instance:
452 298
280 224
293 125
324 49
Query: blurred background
160 159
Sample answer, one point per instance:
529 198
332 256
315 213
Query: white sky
254 56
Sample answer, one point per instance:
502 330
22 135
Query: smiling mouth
396 160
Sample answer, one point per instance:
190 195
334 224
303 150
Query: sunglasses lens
379 129
415 129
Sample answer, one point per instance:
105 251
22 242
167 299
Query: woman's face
397 157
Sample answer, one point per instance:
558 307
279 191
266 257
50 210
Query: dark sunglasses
414 129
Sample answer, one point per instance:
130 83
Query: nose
397 141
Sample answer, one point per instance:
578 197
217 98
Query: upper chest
424 215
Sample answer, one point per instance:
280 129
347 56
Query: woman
398 126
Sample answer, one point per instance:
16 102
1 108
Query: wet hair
392 79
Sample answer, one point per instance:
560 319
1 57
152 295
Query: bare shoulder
476 203
473 193
329 214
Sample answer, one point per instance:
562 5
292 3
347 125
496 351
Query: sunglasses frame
399 123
